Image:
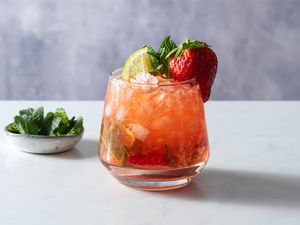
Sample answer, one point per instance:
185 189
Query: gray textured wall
64 49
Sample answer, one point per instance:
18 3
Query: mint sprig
32 121
160 59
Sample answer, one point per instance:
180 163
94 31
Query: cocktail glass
153 136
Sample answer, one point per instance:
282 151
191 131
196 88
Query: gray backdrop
65 49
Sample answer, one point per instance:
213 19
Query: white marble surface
252 176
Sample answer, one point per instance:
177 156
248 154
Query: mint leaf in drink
171 160
118 140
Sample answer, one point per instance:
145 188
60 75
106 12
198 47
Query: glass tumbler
153 136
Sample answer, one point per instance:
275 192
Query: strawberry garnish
194 59
191 59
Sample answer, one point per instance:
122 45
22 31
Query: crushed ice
139 131
121 114
144 78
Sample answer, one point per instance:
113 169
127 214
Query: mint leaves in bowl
55 132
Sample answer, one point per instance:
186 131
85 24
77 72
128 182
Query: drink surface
153 126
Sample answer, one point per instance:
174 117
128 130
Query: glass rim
111 77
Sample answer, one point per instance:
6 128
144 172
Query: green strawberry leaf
187 45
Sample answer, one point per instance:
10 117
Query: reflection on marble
65 49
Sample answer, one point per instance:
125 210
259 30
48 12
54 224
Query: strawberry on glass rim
195 59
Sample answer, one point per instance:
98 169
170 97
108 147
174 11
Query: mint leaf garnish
166 47
160 59
153 59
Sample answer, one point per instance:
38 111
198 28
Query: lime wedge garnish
138 62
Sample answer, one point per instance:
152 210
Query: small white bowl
42 144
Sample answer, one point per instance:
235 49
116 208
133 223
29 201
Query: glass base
154 180
154 185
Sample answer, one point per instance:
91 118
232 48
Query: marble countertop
253 175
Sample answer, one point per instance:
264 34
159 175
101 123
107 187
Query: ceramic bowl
42 144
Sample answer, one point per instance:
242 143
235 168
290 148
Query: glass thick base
154 180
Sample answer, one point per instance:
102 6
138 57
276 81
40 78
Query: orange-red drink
153 136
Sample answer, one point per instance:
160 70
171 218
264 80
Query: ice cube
147 108
127 94
121 114
107 110
169 88
144 78
139 131
161 122
160 97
